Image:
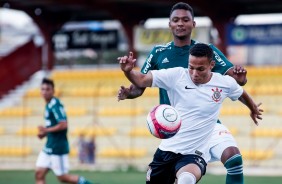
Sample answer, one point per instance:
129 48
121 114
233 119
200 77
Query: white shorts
59 164
220 140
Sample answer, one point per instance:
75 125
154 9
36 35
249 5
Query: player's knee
186 178
39 175
234 165
63 179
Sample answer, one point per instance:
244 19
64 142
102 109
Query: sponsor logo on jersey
218 59
161 49
216 94
148 63
165 60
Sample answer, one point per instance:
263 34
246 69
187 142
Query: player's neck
182 42
48 100
209 78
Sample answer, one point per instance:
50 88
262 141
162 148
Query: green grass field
116 177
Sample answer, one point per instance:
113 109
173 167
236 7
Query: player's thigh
221 140
161 169
193 164
43 160
60 164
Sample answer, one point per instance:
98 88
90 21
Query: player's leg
233 162
60 167
223 147
190 169
42 167
161 169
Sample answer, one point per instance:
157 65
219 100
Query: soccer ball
163 121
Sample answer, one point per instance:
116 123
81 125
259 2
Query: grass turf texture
119 177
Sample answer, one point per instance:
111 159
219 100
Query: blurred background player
184 155
223 146
54 155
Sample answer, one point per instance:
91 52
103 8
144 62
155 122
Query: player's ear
169 24
194 23
212 64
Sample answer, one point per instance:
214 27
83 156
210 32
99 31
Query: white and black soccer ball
163 121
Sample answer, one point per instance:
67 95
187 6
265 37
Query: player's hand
41 132
127 63
257 113
40 135
123 93
240 74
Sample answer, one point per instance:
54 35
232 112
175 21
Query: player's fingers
254 119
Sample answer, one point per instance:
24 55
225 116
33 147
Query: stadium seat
16 111
234 111
94 131
123 152
2 130
257 154
140 132
27 131
267 132
120 111
15 151
76 111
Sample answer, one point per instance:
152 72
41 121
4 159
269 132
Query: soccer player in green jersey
223 147
54 155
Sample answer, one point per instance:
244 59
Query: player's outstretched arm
129 93
139 79
256 111
239 73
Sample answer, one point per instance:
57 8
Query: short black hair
48 82
201 50
182 6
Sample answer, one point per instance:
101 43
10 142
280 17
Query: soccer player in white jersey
223 146
197 93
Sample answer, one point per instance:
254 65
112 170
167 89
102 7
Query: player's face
47 92
200 69
181 23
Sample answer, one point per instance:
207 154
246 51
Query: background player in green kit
54 155
223 147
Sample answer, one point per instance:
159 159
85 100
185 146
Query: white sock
186 178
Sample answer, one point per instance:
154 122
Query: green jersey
170 56
57 142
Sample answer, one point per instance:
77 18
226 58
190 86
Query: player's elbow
242 83
63 125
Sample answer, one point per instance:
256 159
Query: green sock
234 166
82 180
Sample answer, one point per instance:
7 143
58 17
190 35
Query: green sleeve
222 64
59 112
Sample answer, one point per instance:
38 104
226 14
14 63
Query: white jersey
198 105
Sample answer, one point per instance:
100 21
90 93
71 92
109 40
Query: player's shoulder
223 78
54 102
163 47
212 46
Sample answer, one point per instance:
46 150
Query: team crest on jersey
216 94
